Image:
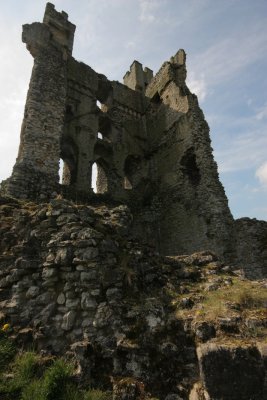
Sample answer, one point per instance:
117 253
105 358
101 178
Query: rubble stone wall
74 281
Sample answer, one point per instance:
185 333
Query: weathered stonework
153 154
74 281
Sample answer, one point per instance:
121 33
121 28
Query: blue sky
226 46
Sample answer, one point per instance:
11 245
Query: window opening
64 173
94 177
60 171
127 184
99 178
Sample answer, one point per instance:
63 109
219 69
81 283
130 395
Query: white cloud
147 10
232 54
243 151
197 86
262 112
261 174
15 70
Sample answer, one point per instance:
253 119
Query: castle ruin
148 138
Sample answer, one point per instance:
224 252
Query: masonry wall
251 247
148 138
193 212
35 173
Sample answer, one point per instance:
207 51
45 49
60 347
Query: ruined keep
109 281
148 137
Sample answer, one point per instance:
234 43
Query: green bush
33 391
55 380
25 367
71 392
22 371
36 391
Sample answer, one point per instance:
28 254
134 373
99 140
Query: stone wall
75 282
251 246
36 170
148 138
194 209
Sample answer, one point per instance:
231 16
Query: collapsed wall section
104 125
194 212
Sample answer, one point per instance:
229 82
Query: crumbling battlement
138 78
148 138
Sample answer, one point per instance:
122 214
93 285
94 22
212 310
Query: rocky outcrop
231 372
74 281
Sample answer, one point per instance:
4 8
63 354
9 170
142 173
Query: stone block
231 372
68 320
32 292
88 302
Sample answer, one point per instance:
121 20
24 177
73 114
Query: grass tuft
7 351
97 395
55 378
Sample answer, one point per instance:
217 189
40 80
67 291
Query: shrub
22 372
25 367
33 391
71 393
55 379
36 391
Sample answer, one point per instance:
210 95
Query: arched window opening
60 171
64 173
132 172
99 178
68 165
94 177
190 167
99 136
127 184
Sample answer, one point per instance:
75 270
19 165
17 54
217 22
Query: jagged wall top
55 29
138 78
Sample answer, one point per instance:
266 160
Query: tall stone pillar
35 173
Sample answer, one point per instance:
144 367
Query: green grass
7 351
26 366
33 391
246 296
97 395
28 376
55 379
243 298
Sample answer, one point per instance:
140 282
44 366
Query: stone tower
148 138
36 168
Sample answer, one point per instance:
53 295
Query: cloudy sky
226 46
